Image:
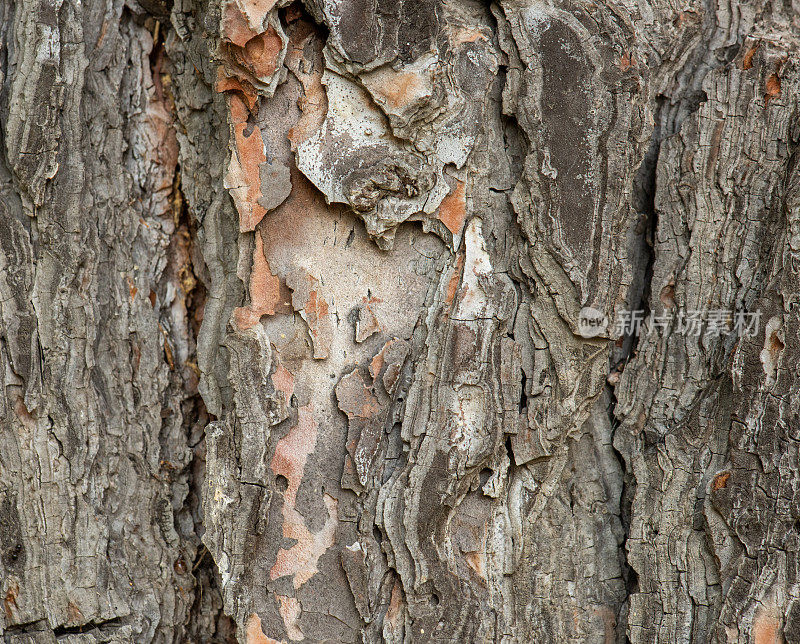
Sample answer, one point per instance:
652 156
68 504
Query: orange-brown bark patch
131 288
250 50
767 627
74 614
283 381
609 617
476 561
455 279
300 561
388 362
243 178
293 450
254 634
259 56
232 84
264 291
454 208
667 296
316 304
776 345
354 397
720 481
773 88
25 416
367 323
401 88
462 36
396 604
10 604
307 300
243 19
747 60
376 364
160 146
626 61
235 27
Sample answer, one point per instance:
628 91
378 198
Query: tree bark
293 303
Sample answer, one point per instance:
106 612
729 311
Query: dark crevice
669 114
281 483
180 298
84 628
638 298
510 451
642 255
207 622
40 626
205 619
516 144
628 492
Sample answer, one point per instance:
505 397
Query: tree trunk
309 321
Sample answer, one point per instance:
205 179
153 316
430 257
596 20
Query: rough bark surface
290 336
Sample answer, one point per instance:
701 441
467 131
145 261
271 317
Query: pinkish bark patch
291 454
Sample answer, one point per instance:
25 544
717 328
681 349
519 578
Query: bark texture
290 302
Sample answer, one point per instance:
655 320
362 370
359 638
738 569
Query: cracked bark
289 313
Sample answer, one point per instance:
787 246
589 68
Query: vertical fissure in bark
627 493
669 114
642 255
206 619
